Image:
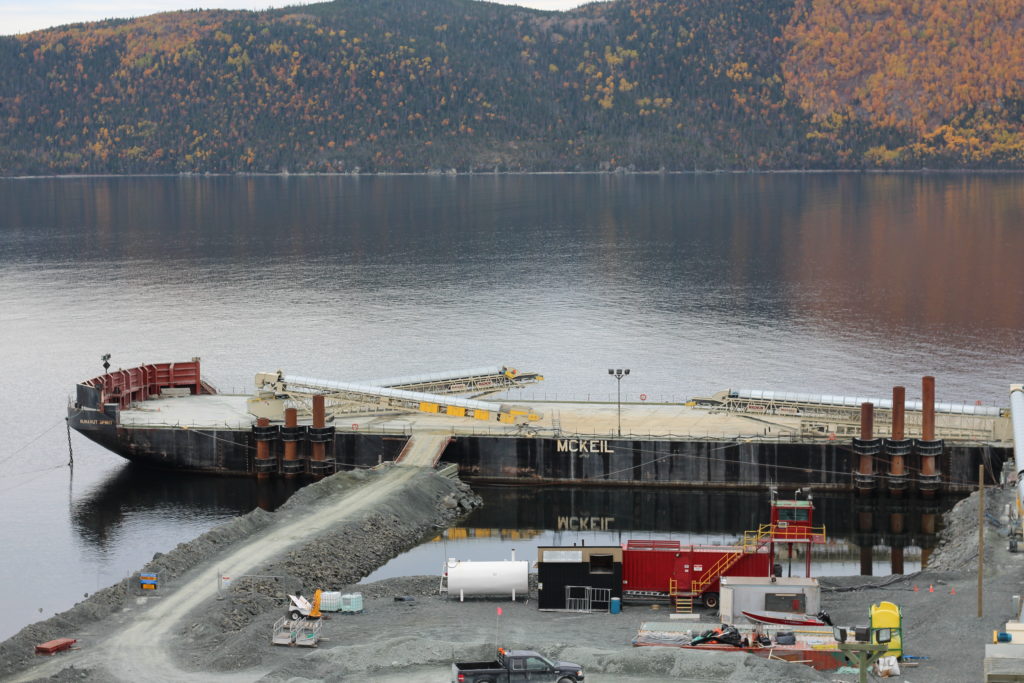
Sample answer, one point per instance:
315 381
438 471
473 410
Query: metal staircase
682 602
753 541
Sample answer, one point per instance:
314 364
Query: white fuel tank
509 577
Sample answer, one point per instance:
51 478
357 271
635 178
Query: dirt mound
226 637
958 541
234 634
669 662
18 650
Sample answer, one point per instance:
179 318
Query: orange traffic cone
952 591
916 588
931 588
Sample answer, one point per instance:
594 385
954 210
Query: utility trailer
301 632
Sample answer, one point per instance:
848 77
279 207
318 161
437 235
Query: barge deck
185 425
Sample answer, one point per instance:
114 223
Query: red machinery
684 573
664 569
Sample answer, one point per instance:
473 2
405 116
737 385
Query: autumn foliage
419 85
949 73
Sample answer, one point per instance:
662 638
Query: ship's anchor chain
71 452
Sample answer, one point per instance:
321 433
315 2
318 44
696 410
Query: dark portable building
579 578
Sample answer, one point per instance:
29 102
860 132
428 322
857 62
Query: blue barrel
616 606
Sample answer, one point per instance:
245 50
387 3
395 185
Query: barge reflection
863 533
134 491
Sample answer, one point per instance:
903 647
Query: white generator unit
465 577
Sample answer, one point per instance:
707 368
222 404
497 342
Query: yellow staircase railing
753 541
683 603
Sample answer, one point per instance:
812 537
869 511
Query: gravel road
335 532
142 645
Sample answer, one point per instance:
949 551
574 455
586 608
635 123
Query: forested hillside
417 85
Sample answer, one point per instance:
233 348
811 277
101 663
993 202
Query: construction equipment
277 391
301 607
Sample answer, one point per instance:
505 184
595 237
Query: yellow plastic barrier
429 407
456 411
507 419
482 414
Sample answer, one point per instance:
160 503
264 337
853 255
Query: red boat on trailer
784 618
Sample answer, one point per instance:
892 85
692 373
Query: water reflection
853 274
834 248
134 492
862 532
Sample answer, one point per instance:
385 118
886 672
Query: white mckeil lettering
584 523
582 446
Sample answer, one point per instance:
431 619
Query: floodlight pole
618 374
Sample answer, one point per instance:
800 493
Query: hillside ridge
421 85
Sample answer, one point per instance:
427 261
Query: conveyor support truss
301 388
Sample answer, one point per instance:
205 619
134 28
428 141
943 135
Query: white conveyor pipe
855 401
400 394
435 377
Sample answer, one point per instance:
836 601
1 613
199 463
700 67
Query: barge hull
164 415
533 460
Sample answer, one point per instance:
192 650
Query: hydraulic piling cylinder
291 434
898 446
929 449
866 448
263 434
319 436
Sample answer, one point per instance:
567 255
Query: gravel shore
417 638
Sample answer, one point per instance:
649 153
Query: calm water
832 283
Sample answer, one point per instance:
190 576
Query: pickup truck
517 666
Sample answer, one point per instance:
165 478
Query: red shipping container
649 566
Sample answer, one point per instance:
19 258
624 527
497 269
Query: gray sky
20 16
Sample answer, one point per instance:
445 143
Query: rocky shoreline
417 638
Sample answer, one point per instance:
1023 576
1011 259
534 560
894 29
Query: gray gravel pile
338 559
19 649
325 488
389 588
362 661
958 541
187 555
670 662
247 613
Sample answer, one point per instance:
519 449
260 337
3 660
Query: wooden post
981 538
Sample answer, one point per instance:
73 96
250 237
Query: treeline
418 85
